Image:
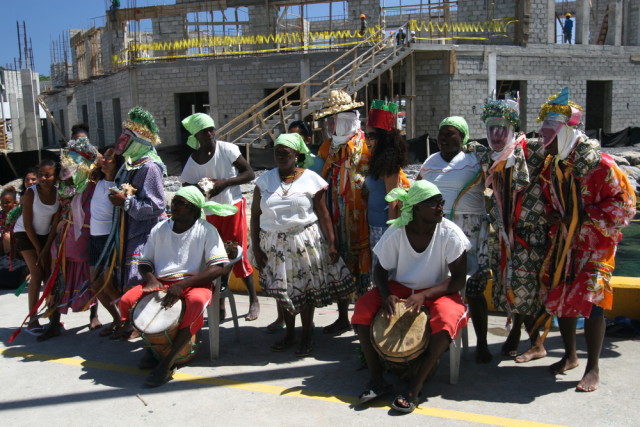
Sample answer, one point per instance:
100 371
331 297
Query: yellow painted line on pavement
272 389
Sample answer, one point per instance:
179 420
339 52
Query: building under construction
256 65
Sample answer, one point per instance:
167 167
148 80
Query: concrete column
614 32
551 21
491 72
31 120
15 121
212 78
582 21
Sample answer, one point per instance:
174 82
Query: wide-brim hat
337 101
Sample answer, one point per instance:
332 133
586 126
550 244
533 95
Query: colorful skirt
476 228
298 271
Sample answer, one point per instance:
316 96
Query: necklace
285 190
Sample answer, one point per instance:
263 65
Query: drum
158 326
403 337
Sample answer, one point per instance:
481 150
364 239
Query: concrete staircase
261 124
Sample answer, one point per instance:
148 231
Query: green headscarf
194 196
419 191
458 123
295 142
194 124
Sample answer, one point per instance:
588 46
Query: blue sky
46 20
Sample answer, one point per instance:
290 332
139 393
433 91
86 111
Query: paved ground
81 378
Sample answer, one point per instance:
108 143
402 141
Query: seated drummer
182 256
422 260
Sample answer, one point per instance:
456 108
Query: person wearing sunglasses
422 260
457 174
182 257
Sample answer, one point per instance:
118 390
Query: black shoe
148 361
159 377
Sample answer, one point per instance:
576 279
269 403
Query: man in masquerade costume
141 192
511 170
588 200
346 163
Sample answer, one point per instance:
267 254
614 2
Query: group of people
542 217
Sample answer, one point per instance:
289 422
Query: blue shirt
377 206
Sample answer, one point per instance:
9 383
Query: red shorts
195 302
447 313
233 228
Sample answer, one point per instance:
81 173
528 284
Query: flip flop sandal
283 345
411 400
374 392
108 330
35 331
334 329
304 350
274 327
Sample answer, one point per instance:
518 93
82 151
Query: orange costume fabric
345 169
590 189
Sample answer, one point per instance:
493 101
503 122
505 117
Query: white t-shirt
101 209
42 215
173 255
451 177
282 211
219 167
428 268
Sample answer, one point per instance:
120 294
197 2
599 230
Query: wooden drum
403 337
158 326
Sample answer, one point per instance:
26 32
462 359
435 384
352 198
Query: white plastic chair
221 289
456 347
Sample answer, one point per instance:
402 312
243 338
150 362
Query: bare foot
254 311
510 346
590 381
483 355
563 365
535 352
94 323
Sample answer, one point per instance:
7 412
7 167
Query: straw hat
336 102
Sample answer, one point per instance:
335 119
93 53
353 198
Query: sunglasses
433 203
179 203
372 135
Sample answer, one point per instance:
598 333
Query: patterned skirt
522 293
298 270
476 228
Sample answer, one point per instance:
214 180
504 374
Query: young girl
39 205
8 201
100 228
29 179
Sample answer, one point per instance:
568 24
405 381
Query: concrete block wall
632 23
481 11
538 19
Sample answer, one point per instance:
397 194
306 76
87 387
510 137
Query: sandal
410 400
283 345
109 329
305 349
336 328
36 331
274 327
123 333
374 392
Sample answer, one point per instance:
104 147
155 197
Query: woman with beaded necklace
292 241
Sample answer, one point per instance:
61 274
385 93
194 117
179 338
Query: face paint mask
123 141
549 131
499 133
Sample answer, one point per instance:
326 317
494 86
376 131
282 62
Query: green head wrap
419 191
193 195
458 123
295 142
194 124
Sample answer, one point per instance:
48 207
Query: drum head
150 317
402 337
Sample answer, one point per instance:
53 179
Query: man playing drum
422 260
182 257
